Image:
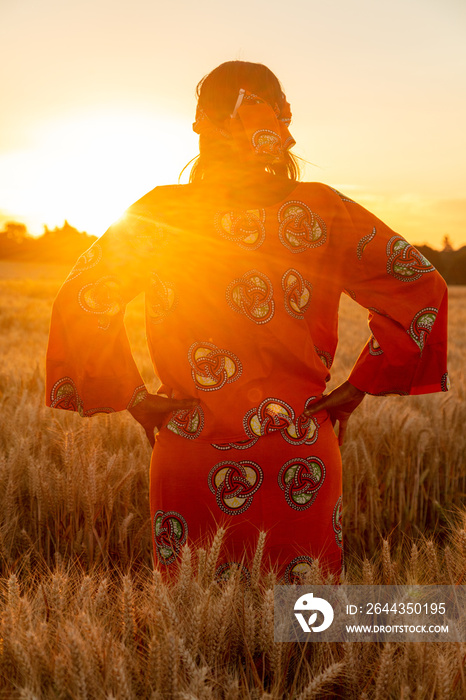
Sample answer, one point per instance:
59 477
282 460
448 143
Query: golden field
83 614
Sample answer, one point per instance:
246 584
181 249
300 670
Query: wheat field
84 614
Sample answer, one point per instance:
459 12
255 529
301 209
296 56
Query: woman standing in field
243 271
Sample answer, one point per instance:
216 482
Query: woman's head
218 91
217 95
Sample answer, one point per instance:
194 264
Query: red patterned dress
242 311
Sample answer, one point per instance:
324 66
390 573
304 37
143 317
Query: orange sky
98 101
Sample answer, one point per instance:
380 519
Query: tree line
62 244
65 244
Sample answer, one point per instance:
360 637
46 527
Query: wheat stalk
258 554
384 672
322 680
433 567
386 562
213 555
443 678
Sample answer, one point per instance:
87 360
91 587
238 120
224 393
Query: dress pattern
422 325
365 240
86 261
301 479
213 367
234 485
103 297
245 228
187 423
161 299
374 347
404 261
298 293
297 569
275 415
170 534
242 313
337 522
64 395
252 295
300 228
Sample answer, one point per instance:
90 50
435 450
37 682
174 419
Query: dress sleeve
89 367
407 302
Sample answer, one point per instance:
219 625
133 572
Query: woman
243 270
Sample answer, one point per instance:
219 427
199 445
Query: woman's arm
407 303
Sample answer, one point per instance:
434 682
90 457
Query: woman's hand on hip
154 409
340 404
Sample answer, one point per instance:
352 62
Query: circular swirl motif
251 295
421 326
245 228
224 571
139 394
170 533
240 445
374 347
87 260
102 297
161 299
213 367
234 484
300 228
276 415
405 263
188 423
300 479
65 395
267 144
297 569
336 521
364 242
325 357
297 293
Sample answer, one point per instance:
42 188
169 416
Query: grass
83 614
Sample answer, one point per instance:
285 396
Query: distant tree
447 246
457 271
15 231
63 244
65 231
14 240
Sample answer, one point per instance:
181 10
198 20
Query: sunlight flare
89 168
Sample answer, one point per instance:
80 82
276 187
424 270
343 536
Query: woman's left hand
154 409
340 404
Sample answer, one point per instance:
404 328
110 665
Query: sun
89 168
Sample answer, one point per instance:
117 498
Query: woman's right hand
340 404
154 409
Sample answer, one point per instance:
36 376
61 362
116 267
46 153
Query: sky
98 100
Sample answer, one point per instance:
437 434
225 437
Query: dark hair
217 93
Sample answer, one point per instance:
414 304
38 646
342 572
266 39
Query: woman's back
242 303
243 271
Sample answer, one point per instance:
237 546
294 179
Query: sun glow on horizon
89 168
